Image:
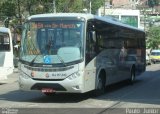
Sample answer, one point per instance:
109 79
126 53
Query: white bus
77 53
6 53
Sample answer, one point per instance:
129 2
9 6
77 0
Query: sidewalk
11 78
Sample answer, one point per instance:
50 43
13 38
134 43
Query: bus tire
100 89
132 77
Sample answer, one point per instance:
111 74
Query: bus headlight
74 75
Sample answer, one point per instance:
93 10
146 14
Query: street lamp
90 5
85 10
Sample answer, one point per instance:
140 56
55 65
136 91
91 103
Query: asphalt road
141 98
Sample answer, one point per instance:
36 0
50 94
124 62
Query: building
135 4
127 16
125 4
127 10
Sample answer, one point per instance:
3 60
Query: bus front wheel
100 86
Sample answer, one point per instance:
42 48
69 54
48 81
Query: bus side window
4 43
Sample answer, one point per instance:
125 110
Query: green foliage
153 40
152 3
7 9
18 10
156 2
69 6
96 4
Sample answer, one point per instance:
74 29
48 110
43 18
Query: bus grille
48 69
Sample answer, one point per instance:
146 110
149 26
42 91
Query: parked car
155 56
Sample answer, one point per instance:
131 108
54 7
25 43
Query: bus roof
85 16
4 29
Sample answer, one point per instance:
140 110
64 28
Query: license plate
47 90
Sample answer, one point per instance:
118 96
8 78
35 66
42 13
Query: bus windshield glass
52 42
4 42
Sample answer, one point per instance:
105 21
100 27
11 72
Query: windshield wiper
59 57
62 61
31 63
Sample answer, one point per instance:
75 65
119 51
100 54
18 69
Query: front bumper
63 86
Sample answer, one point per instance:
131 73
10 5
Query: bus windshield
52 42
4 42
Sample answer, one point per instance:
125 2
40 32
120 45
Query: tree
156 2
153 40
18 10
152 3
96 4
69 6
7 10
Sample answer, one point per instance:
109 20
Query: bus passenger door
90 61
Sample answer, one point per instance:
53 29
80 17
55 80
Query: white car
155 56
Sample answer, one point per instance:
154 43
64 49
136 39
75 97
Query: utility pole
90 7
144 14
104 7
19 13
54 6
